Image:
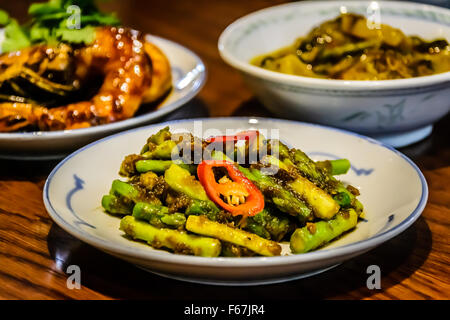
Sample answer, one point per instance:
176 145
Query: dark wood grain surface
35 252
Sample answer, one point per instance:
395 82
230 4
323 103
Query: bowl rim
333 84
127 123
319 255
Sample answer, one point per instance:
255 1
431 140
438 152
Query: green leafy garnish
15 36
69 21
4 17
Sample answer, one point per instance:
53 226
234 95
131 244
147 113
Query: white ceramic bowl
188 74
397 112
393 191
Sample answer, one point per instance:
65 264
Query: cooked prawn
120 56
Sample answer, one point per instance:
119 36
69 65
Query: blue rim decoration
78 186
194 260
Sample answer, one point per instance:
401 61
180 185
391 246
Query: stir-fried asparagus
269 225
121 198
324 206
178 241
319 200
204 226
157 139
161 136
160 166
165 150
334 167
124 190
320 176
306 166
158 216
207 208
114 205
314 235
182 181
304 201
281 197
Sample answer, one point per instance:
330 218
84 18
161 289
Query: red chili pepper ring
243 197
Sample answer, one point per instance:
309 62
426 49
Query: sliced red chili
239 186
243 135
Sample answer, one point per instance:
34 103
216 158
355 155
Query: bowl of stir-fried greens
235 200
377 68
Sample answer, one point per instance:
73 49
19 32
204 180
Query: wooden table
35 252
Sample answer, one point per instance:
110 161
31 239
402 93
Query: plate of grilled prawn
235 201
55 98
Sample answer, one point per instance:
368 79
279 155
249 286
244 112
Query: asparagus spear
282 198
182 181
161 151
334 167
324 206
314 235
326 181
178 241
341 194
129 193
204 226
160 166
321 177
207 208
266 224
157 139
122 195
158 216
159 145
269 225
113 205
121 198
152 165
161 136
124 190
299 159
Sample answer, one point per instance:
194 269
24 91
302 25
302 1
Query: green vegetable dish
234 196
350 47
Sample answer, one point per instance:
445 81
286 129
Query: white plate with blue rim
188 76
393 191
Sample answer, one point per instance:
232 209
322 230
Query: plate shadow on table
119 279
